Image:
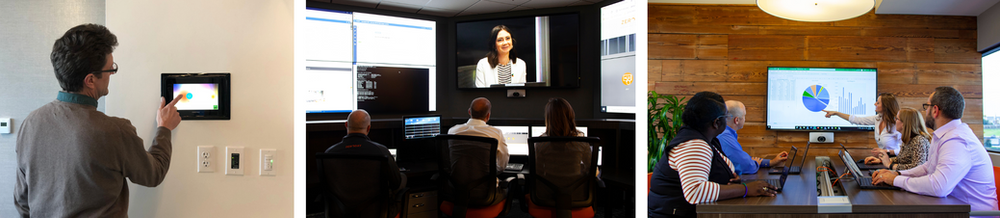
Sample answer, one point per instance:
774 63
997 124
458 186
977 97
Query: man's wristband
745 190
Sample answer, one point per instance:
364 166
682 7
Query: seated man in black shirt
357 142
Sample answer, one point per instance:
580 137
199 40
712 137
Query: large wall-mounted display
379 63
532 51
797 97
618 57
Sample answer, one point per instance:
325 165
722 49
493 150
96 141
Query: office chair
356 186
467 177
563 176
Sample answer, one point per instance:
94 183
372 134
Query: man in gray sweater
72 160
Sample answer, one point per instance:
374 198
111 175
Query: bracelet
745 190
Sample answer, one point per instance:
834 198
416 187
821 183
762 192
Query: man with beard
957 165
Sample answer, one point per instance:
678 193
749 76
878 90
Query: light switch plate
205 155
234 160
5 125
267 162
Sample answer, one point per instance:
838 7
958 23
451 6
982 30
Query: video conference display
796 97
198 96
358 60
537 51
618 57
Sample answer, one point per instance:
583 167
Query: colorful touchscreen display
197 96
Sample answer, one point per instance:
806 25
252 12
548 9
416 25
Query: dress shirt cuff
765 163
899 181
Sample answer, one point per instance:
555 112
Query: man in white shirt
479 111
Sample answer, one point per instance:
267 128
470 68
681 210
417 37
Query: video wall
382 64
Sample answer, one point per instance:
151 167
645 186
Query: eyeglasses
927 106
113 70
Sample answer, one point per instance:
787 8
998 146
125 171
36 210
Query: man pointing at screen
72 160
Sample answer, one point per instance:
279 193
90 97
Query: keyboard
774 182
863 166
514 167
866 183
780 170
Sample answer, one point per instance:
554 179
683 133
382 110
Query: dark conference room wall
727 49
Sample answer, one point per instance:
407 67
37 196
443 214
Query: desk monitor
206 95
516 138
421 127
536 131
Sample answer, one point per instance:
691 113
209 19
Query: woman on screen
501 65
693 170
886 135
916 142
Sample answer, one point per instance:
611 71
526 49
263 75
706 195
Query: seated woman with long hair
916 142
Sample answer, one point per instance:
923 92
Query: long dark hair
889 109
560 120
492 56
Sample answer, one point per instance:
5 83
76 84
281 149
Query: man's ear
89 81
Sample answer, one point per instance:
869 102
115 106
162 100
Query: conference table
799 198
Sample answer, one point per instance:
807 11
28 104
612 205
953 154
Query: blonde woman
916 142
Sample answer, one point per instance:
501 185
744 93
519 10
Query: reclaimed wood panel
703 70
949 74
737 16
755 106
654 70
920 50
731 88
924 90
811 30
672 46
896 73
670 70
712 47
847 48
756 71
956 51
911 32
766 47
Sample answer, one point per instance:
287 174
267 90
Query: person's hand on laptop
876 151
760 188
884 176
872 160
780 158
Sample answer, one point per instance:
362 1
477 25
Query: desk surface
799 195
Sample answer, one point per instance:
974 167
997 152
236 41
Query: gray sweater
72 160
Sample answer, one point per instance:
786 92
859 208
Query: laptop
864 180
777 183
861 163
794 169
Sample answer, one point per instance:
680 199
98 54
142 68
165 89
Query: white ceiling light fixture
816 10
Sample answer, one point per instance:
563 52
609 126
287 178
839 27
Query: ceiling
916 7
452 8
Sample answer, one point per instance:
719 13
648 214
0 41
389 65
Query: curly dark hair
703 109
80 51
492 57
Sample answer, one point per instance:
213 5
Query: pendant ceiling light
816 10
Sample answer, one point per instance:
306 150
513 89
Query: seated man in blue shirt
742 161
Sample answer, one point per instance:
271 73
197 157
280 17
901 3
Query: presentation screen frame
222 81
866 107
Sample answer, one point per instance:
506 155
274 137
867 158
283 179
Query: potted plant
664 121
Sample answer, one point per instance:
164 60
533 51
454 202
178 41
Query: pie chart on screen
815 98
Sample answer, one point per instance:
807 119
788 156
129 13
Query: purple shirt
957 166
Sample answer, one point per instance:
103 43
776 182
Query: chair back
354 185
467 170
563 171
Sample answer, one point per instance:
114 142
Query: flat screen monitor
541 51
796 97
618 44
421 127
536 131
358 60
516 138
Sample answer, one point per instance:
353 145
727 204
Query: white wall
252 40
989 28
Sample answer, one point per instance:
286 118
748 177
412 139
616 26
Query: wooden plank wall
727 49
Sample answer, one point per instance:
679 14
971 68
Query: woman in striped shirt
694 170
501 65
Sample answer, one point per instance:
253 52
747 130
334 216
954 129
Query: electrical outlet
234 160
205 154
267 162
